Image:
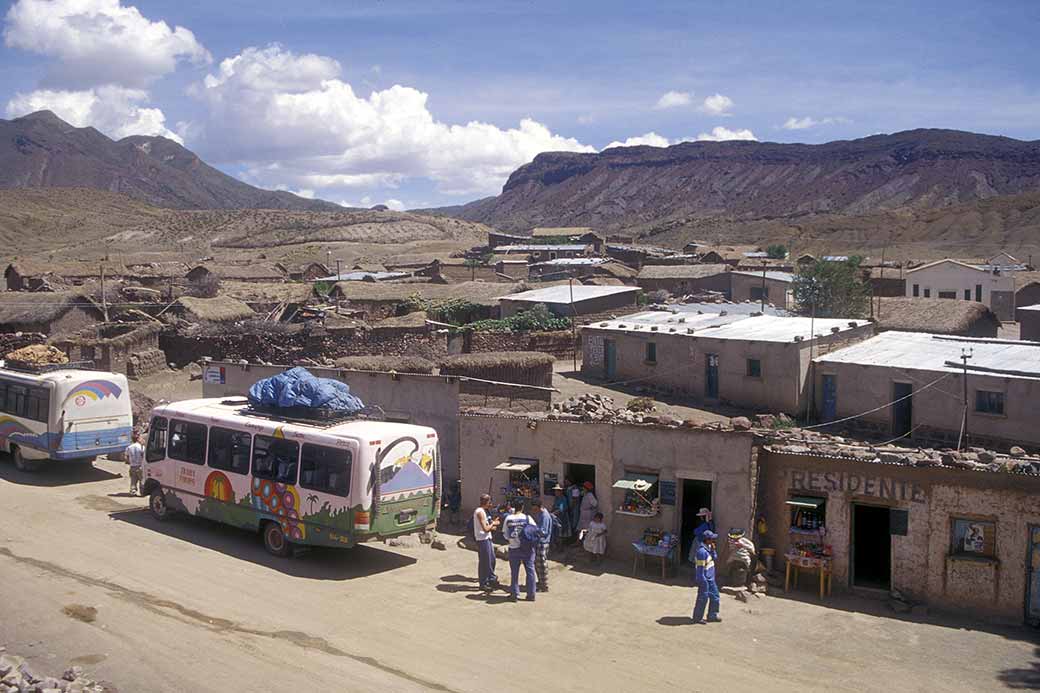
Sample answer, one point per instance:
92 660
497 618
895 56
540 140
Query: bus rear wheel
157 504
22 464
275 541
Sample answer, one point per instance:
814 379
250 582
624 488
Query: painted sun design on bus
218 486
95 390
283 502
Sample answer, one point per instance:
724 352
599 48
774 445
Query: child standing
595 541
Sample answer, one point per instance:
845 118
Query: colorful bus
296 481
63 414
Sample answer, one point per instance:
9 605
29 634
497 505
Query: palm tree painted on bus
312 499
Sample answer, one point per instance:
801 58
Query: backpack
530 537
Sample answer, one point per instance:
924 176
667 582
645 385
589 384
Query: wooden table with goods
665 549
798 562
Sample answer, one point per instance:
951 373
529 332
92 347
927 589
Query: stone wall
141 364
560 344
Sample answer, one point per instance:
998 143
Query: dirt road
192 606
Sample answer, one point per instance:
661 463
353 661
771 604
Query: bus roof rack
315 415
26 367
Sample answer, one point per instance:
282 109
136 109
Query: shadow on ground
314 563
54 473
1025 679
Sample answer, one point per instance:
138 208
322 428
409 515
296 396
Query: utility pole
965 355
574 328
881 279
104 297
338 273
763 297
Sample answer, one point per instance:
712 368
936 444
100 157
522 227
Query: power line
883 406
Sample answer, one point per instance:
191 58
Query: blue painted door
609 359
1033 575
711 376
830 397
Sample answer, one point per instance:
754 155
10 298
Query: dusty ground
188 605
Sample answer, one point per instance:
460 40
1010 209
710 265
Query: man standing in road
482 529
707 590
521 552
544 519
135 458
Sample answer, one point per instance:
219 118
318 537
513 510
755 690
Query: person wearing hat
707 589
589 504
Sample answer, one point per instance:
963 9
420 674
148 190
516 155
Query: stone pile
17 677
593 407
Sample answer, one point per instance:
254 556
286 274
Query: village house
575 300
935 315
499 238
686 469
885 281
895 522
34 275
50 313
636 255
923 375
252 272
581 268
378 300
680 280
953 279
129 348
217 309
569 234
307 272
1029 323
512 268
543 252
771 287
266 298
758 362
1027 289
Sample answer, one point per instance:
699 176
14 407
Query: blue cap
708 534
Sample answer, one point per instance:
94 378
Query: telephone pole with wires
962 440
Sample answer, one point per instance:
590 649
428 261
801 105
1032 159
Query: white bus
63 414
296 481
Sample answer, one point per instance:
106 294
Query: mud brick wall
144 363
559 344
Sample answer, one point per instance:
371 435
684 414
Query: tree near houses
832 289
776 252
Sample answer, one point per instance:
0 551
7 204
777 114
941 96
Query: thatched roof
267 292
459 364
385 364
65 269
483 293
219 309
255 271
1024 279
412 320
681 271
936 315
30 308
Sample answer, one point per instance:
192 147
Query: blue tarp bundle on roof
298 387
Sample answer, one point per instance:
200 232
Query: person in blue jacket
707 590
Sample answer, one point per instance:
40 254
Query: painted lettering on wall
859 484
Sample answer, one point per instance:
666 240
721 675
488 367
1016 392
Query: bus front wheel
275 541
22 464
157 504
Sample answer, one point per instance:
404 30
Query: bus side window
3 396
187 441
325 469
157 439
39 403
16 399
275 459
229 450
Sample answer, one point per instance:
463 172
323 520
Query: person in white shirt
135 458
483 526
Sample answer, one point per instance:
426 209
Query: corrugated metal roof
928 352
775 276
358 276
740 327
534 247
745 308
570 261
562 294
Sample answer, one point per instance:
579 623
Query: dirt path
189 605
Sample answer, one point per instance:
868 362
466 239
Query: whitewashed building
989 284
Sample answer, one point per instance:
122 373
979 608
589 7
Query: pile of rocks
593 407
17 677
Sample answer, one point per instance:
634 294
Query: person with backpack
523 536
545 522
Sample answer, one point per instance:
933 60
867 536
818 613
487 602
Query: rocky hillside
41 150
641 189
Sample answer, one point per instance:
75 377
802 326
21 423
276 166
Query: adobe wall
723 458
923 567
559 343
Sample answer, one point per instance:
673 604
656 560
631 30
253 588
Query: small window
276 459
187 441
325 469
808 513
917 290
651 352
988 402
973 538
39 404
759 293
157 439
640 500
948 294
754 368
927 293
17 396
978 293
229 450
3 396
967 294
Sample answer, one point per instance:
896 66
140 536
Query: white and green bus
297 482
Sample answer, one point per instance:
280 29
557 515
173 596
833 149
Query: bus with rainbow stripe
63 414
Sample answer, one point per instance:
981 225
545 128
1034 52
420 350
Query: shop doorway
903 409
711 376
609 359
871 547
696 494
580 473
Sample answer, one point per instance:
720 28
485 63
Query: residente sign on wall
859 484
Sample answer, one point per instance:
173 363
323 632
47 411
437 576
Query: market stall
521 486
808 548
641 498
657 543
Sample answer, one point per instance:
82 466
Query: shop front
947 538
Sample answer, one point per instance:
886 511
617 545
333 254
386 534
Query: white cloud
99 42
368 201
807 122
271 105
674 99
717 104
651 139
721 134
115 111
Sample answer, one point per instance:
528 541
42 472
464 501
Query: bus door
187 447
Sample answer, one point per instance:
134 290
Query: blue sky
430 103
